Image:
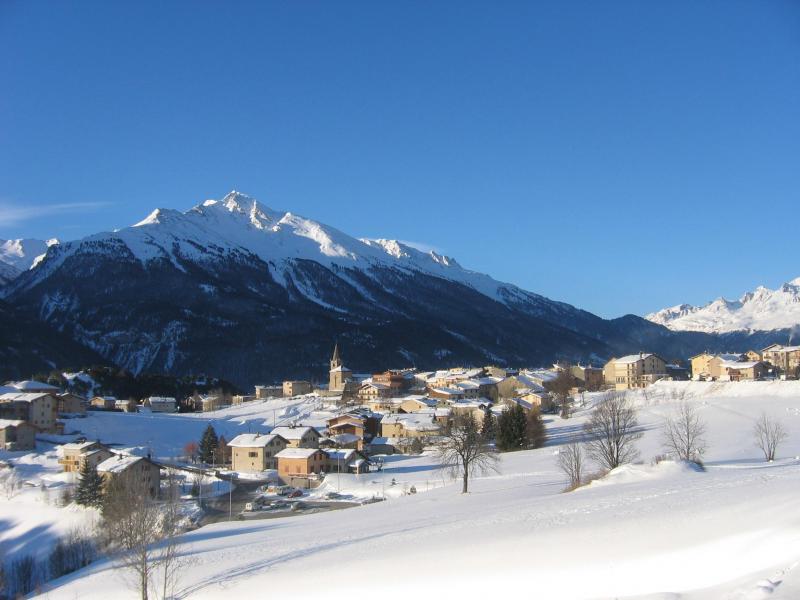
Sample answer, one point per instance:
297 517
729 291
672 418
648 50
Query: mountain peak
762 309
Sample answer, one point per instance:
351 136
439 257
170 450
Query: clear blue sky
621 156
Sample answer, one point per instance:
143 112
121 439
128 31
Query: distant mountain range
237 290
19 255
760 310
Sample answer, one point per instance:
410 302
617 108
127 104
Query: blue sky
620 156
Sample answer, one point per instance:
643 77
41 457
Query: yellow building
634 371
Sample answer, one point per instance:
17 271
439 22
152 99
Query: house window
252 454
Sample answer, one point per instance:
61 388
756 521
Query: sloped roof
253 440
297 452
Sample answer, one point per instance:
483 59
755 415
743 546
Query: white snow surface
760 310
664 531
239 226
20 255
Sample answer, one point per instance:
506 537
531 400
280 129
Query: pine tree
208 444
511 426
535 430
90 486
489 425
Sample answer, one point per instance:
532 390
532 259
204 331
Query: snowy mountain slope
22 253
251 294
760 310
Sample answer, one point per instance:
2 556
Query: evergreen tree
535 431
511 429
90 486
208 444
489 425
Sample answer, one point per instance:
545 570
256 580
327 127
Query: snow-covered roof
10 423
292 433
736 364
33 386
418 421
296 452
22 396
344 454
78 445
118 463
161 400
631 358
449 391
252 440
340 369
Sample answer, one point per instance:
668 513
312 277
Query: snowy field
656 532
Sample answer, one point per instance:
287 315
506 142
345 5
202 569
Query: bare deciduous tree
612 431
464 450
132 522
570 461
10 483
684 433
167 556
769 433
560 388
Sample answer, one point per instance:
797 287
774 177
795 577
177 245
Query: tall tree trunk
465 486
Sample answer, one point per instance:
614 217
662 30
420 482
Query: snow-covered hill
760 310
645 531
19 255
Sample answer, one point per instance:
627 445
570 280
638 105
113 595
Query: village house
34 387
469 387
128 406
384 405
40 409
103 402
785 358
241 399
254 452
71 404
298 436
634 371
742 370
753 356
268 391
446 394
75 454
475 408
416 404
396 381
537 397
371 391
297 388
300 463
487 386
411 425
588 378
345 461
161 404
136 473
706 366
16 435
382 445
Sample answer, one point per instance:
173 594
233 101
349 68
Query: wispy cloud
422 246
13 213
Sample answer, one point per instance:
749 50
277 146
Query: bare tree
560 388
570 461
684 433
167 557
10 483
464 450
769 433
612 431
132 523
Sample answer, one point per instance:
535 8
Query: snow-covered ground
664 531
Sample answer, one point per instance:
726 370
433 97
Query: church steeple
336 361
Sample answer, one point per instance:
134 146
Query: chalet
34 387
298 436
382 445
161 404
346 461
785 358
40 409
706 366
136 473
297 388
416 404
447 394
75 454
300 463
71 404
742 370
253 452
588 378
16 435
396 381
128 406
103 402
370 391
419 424
475 408
384 405
634 371
268 391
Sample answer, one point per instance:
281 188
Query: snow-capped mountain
251 294
19 255
760 310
